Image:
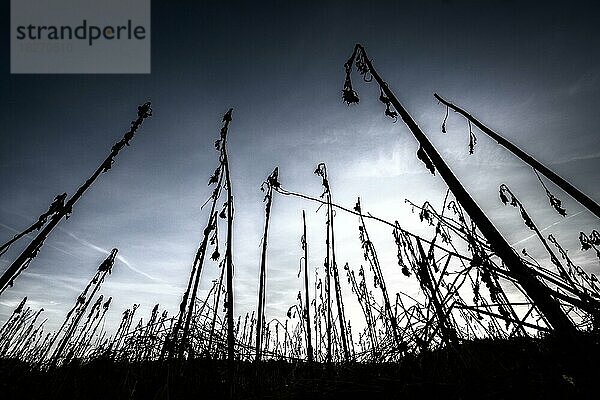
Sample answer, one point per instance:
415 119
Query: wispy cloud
592 156
10 228
560 221
586 82
105 251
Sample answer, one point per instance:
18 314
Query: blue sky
529 72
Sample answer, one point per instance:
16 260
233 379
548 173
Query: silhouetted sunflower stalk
18 331
54 208
267 337
118 346
219 291
575 193
331 270
402 245
16 335
10 321
14 329
57 210
137 343
77 310
178 340
472 137
485 269
370 256
591 241
587 282
145 340
416 260
443 228
434 161
430 286
251 329
240 337
351 97
247 335
83 301
319 315
153 333
584 284
77 345
348 210
367 305
295 331
407 257
163 329
37 349
147 337
50 343
410 316
188 303
87 340
586 303
277 342
29 341
306 310
464 227
229 247
508 197
267 187
444 225
206 324
554 201
321 309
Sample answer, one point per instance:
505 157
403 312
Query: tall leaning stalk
96 282
575 193
31 251
228 250
371 256
309 347
332 270
425 278
588 304
427 153
188 302
268 184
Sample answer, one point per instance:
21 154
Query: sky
530 72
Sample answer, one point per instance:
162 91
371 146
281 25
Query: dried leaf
503 197
350 96
405 270
227 116
585 243
472 139
527 219
444 122
391 113
426 160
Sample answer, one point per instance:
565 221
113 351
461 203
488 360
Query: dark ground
491 369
